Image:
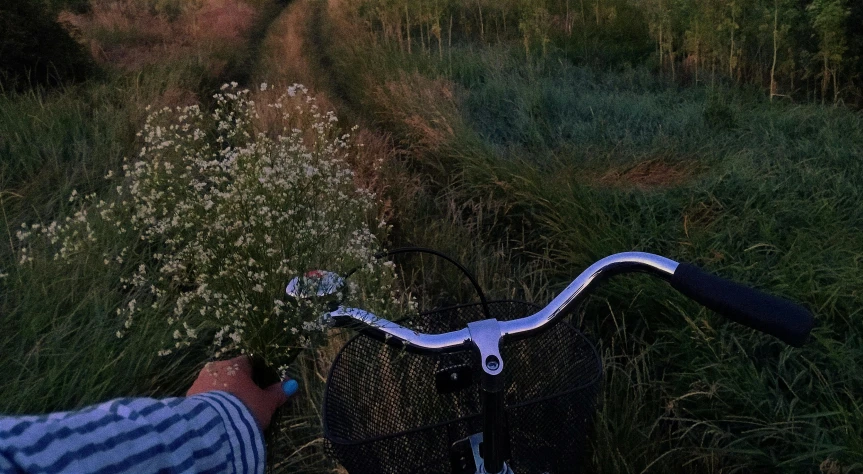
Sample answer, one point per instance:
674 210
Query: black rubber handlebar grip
779 317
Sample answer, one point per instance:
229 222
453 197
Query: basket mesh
383 414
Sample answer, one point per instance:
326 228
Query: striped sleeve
211 432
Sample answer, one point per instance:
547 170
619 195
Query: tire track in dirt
241 70
282 58
294 51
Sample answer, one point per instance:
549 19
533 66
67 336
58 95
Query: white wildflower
222 210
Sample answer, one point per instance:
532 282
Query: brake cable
468 274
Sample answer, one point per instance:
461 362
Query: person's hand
235 377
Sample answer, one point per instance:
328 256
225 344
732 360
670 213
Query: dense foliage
565 163
36 49
810 49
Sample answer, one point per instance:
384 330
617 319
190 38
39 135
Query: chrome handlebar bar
567 300
393 332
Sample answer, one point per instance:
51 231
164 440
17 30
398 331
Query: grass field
527 169
60 348
563 164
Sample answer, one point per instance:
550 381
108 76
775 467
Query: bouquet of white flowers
225 213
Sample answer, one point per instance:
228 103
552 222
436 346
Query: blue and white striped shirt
211 432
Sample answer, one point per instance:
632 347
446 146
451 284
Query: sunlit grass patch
132 34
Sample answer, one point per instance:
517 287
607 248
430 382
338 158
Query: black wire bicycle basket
388 411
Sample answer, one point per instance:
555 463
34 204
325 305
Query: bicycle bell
316 284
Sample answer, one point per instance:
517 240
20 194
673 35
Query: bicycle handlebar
389 331
769 314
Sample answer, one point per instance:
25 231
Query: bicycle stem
486 337
495 432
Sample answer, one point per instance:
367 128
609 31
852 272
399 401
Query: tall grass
577 164
59 345
527 169
772 207
53 143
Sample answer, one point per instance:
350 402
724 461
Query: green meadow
527 139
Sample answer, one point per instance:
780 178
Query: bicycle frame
742 304
486 337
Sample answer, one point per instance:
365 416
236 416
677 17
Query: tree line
801 49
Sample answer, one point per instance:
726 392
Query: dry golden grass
129 34
649 174
432 118
284 60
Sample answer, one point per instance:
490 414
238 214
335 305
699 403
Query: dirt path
292 53
282 59
241 71
295 51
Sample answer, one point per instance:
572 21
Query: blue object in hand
290 387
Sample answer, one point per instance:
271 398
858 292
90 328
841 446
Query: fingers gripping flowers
224 211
